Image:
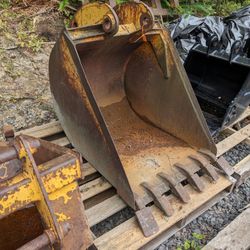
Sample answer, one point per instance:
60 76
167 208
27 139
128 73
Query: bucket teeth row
176 187
205 166
157 193
192 177
161 201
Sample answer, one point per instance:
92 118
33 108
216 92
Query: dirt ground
26 39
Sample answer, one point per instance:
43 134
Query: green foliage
206 7
189 7
32 41
5 4
193 244
227 7
63 4
197 9
198 236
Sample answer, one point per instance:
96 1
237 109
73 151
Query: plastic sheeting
190 30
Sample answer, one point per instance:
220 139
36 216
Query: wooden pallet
101 200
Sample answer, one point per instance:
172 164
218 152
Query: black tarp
190 30
215 52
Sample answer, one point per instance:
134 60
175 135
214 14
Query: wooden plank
64 141
233 140
104 210
232 131
243 165
94 187
242 170
88 169
165 235
55 127
243 116
43 130
129 236
234 236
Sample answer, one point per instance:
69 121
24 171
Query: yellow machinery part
40 204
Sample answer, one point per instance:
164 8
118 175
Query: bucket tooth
205 166
220 163
176 187
208 154
224 166
145 218
160 200
193 178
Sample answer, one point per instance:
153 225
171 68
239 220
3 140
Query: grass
5 4
18 30
193 244
207 7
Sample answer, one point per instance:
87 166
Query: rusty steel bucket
125 102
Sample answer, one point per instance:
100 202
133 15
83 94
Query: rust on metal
8 132
160 200
224 166
206 166
42 187
192 177
176 187
219 163
145 218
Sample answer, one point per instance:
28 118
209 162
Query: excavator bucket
221 82
125 102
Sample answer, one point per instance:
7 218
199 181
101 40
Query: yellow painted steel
45 186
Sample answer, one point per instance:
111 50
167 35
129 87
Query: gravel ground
25 101
25 98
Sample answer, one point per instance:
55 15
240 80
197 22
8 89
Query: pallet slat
243 116
64 141
104 210
43 130
94 187
88 169
233 140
